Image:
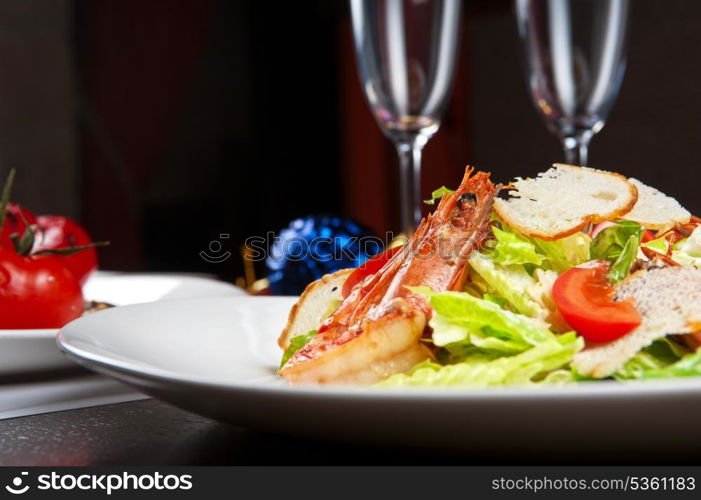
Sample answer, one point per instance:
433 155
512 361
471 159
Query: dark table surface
150 432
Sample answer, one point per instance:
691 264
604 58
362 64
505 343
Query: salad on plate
575 275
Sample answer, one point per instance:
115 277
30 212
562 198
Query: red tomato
58 232
371 266
584 297
15 218
37 292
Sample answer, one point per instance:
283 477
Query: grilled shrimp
376 332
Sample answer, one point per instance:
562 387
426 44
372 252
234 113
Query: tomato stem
5 200
25 242
70 250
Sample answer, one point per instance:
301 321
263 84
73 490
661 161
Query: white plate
218 357
26 351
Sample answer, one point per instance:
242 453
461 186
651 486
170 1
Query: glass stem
577 147
410 182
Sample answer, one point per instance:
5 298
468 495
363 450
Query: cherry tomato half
584 297
371 266
58 232
37 292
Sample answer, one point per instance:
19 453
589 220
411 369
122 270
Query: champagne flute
575 60
405 50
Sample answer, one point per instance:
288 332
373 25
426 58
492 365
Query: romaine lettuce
512 249
463 324
540 363
437 194
688 366
566 252
659 245
664 358
473 314
296 343
618 244
688 252
511 283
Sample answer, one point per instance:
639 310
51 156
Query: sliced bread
564 199
316 302
656 210
669 301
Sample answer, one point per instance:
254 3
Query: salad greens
511 285
296 343
438 194
513 248
687 252
618 244
501 329
566 252
538 364
488 345
662 359
508 325
460 317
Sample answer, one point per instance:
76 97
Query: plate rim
34 350
450 395
8 333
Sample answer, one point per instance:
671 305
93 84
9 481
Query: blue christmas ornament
316 245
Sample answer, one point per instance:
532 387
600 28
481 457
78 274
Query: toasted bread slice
656 210
315 303
669 301
564 199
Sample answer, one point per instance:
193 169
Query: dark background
161 124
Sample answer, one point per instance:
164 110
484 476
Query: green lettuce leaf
688 366
296 343
542 363
511 283
659 245
459 336
664 358
618 244
559 377
461 320
688 251
566 252
500 301
657 355
512 249
437 194
464 307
